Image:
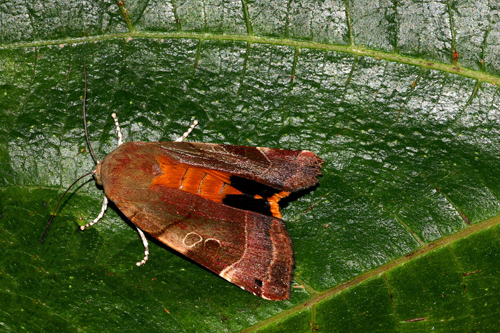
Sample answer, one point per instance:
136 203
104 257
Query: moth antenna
54 213
190 129
85 115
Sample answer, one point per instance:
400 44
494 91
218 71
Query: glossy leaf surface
401 99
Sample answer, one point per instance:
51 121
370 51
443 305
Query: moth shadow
69 195
296 195
61 204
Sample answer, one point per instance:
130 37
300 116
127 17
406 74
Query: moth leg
146 248
101 214
190 129
120 136
105 203
139 231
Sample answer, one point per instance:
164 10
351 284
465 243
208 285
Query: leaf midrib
429 247
351 49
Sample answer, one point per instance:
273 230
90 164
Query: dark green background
410 140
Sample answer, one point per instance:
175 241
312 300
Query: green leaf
401 235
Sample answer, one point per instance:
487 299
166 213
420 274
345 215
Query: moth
216 204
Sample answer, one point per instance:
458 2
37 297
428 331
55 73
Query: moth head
97 173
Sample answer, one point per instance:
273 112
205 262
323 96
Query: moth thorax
97 173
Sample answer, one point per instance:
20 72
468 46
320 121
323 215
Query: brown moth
216 204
